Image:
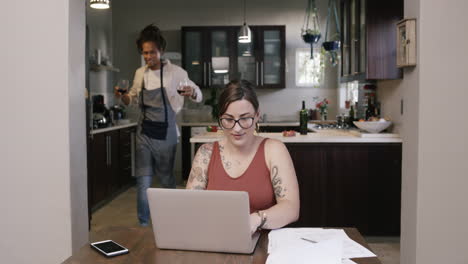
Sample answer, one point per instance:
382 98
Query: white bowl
372 126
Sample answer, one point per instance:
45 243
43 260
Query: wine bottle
351 116
303 119
370 112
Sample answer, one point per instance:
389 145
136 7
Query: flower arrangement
322 106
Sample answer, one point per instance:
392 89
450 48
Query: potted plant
311 29
311 36
332 46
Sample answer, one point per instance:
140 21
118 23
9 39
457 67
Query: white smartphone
109 248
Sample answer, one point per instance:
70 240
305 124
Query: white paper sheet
303 252
348 261
283 238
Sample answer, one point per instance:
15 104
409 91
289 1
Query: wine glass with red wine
123 86
182 85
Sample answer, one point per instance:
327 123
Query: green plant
312 31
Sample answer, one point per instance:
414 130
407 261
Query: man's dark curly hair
151 33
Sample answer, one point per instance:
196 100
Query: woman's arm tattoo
227 164
200 161
277 182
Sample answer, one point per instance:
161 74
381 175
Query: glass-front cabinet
194 62
369 36
213 56
207 55
247 62
272 57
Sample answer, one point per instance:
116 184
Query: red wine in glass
122 91
182 85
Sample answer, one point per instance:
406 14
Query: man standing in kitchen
159 88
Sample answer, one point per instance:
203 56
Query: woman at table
155 91
243 161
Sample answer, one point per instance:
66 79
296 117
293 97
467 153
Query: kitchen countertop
107 129
323 136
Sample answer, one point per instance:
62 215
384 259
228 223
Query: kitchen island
346 179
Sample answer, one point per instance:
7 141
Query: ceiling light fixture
99 4
245 35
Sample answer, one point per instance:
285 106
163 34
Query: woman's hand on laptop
255 221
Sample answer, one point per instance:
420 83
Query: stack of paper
313 245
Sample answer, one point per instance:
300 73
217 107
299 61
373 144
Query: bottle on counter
351 117
370 111
303 118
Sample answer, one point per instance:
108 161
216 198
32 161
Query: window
309 72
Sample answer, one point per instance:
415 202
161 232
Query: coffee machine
101 115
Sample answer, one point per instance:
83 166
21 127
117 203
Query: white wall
129 17
99 22
442 213
435 145
43 160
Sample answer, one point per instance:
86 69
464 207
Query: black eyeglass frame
220 121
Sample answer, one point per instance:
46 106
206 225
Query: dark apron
155 154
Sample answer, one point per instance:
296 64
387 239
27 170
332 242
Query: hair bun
151 33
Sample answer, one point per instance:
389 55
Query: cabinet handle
204 73
132 151
261 74
107 150
110 151
256 73
209 73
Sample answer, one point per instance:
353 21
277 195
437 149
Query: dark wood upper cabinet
369 39
213 56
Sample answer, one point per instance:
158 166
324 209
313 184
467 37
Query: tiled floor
122 212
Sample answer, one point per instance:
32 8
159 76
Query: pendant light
99 4
245 35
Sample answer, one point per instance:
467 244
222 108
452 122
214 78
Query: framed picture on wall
406 42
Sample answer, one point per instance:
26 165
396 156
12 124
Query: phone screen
109 247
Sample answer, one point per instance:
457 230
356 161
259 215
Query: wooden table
140 242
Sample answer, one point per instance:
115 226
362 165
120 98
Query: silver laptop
201 220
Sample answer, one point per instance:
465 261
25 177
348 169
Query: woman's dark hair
153 34
235 91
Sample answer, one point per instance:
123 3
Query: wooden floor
122 212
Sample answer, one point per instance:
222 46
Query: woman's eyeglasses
244 122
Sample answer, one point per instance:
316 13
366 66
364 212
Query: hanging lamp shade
99 4
245 35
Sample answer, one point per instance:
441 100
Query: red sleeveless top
255 180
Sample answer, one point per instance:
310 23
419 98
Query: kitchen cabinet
368 34
212 56
110 165
349 185
203 45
